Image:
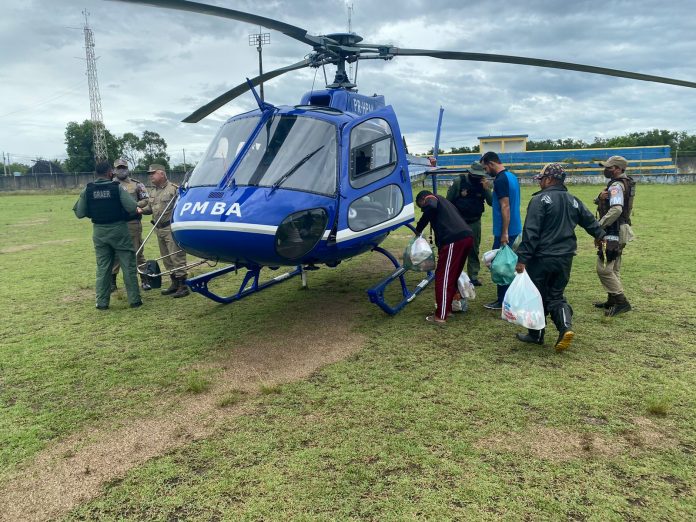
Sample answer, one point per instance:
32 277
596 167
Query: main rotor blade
536 62
230 95
195 7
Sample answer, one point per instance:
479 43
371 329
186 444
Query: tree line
678 141
138 151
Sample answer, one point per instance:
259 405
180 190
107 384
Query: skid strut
250 284
376 293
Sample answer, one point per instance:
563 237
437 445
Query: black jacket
549 228
444 217
471 206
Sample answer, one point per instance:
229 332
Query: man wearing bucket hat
135 227
548 246
614 205
469 192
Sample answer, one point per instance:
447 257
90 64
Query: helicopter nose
300 232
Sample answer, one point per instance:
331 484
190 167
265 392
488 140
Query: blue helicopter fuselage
315 183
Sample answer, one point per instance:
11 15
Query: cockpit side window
372 152
222 151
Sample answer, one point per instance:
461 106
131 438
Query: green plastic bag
503 266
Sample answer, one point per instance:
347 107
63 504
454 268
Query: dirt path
74 470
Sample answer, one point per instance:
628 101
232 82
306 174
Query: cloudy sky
156 66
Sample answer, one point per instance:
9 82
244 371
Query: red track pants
450 263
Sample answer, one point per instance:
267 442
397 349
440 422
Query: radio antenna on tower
94 96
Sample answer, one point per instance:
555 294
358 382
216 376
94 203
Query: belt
163 224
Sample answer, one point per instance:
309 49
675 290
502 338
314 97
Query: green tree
465 150
79 145
17 167
154 150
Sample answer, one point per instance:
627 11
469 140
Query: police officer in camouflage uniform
614 205
469 192
161 205
135 227
109 207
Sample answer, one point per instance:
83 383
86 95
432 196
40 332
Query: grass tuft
230 399
196 383
659 406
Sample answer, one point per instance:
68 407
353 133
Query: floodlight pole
259 40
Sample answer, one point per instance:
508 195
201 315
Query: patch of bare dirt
73 471
30 222
31 246
81 294
562 445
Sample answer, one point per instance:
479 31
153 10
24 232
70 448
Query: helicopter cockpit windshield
292 152
222 151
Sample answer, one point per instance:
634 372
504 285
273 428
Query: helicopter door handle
403 175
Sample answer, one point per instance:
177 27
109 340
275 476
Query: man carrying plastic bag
418 255
454 240
523 304
548 246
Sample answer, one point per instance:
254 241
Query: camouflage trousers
176 258
135 229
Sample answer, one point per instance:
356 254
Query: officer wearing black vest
109 206
468 193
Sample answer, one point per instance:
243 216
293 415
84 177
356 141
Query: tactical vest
104 203
629 190
471 206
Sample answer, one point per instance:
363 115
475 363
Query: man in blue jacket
507 222
548 246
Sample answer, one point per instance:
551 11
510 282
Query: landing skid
250 284
376 293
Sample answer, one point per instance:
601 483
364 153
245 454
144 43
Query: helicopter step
250 284
376 293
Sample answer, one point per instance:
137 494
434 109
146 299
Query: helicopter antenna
326 80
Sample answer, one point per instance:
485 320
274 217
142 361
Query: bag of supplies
503 266
419 256
523 305
489 256
466 287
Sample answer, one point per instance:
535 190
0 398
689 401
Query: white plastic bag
460 305
523 305
420 250
489 256
465 287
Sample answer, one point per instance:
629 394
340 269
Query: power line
53 97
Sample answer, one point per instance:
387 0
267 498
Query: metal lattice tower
94 96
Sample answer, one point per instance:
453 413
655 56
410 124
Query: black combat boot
563 319
173 287
605 304
113 283
532 336
145 282
620 306
183 289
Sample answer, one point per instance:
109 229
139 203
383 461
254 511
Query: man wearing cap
507 221
614 205
469 192
548 246
109 207
161 205
135 227
453 238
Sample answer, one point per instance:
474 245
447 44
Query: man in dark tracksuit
469 192
548 246
454 240
109 206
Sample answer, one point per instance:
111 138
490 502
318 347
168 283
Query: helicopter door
375 187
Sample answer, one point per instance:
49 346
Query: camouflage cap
615 161
552 170
120 162
476 169
155 166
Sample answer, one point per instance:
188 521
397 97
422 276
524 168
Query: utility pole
4 165
259 40
185 169
94 96
350 30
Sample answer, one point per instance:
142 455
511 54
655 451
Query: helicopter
314 183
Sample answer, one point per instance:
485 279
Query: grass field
314 405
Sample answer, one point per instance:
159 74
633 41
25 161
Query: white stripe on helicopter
343 235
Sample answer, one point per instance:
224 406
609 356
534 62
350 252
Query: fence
76 180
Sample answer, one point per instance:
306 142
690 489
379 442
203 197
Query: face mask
121 174
608 173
